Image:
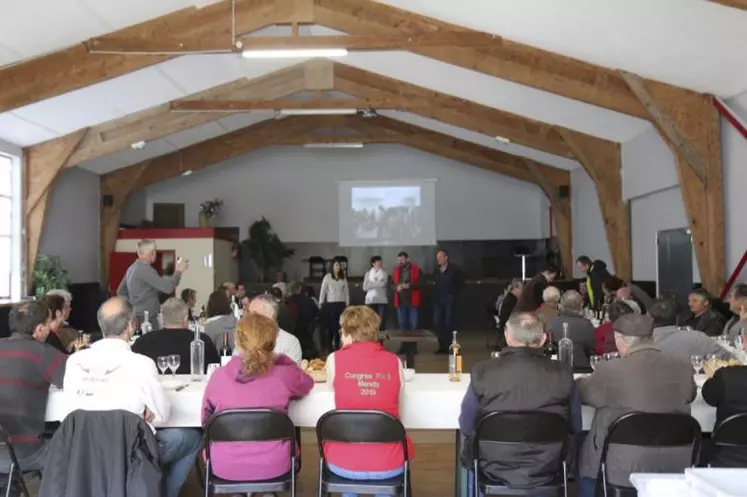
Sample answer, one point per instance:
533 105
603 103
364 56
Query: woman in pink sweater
256 378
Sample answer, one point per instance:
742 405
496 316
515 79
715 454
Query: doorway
168 215
674 264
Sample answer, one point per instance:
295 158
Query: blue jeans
380 309
407 317
177 449
585 486
363 475
443 320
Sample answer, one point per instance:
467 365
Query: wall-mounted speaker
564 191
107 200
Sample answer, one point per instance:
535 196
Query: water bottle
197 357
565 349
160 319
146 327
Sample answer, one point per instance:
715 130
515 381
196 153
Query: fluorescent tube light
502 139
318 112
333 145
295 53
138 145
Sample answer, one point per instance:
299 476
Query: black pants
380 309
332 312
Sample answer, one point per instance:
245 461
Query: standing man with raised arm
142 284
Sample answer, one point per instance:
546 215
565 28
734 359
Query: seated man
521 379
550 307
644 379
175 338
286 343
580 329
673 340
27 367
702 317
110 376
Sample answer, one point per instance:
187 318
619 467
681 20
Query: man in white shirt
286 343
109 376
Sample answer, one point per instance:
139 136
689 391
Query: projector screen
387 213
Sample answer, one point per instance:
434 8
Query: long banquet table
431 402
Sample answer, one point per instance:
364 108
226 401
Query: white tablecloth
431 402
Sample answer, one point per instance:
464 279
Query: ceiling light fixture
333 145
294 53
318 112
502 139
138 145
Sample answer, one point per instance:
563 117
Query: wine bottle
225 352
565 349
455 359
197 357
146 327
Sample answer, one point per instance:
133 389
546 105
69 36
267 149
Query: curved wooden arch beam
42 166
691 127
603 161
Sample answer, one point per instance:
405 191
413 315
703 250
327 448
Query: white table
431 402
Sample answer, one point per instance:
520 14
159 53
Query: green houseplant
49 274
265 248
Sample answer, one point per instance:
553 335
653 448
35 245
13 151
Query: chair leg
198 470
320 485
565 479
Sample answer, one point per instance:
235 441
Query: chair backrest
647 429
732 432
249 425
351 426
520 428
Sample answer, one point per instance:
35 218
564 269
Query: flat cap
634 325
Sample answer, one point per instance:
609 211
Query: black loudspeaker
107 200
564 191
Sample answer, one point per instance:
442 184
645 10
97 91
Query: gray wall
71 227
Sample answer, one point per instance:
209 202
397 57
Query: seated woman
256 378
56 305
362 354
604 335
220 318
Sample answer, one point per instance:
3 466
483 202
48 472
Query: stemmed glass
594 361
174 361
611 355
163 363
697 362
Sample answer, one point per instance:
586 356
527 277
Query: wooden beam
451 110
602 160
73 68
665 125
172 46
42 166
737 4
696 145
157 122
513 61
248 105
562 218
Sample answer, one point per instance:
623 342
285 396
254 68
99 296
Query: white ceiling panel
253 68
194 135
499 93
690 43
8 56
37 27
22 133
484 140
103 165
128 157
119 14
195 73
239 121
138 90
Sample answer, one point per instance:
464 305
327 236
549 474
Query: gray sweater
687 343
141 286
216 326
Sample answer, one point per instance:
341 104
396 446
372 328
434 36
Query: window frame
17 273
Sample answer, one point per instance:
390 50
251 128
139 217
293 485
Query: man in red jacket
407 279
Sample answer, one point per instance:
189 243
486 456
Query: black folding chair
16 478
363 427
644 429
731 436
250 425
520 429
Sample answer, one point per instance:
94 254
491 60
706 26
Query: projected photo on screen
386 213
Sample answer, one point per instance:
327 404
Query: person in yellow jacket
596 272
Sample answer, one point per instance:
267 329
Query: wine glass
594 361
174 361
163 363
697 362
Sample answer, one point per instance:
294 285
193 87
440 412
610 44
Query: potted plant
208 211
266 249
49 274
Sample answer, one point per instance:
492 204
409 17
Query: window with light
10 228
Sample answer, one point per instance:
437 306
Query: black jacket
102 454
727 392
595 278
710 322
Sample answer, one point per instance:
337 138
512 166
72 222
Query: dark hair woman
334 297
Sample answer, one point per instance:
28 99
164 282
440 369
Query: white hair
175 312
551 294
283 288
145 247
62 293
572 301
525 328
269 302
